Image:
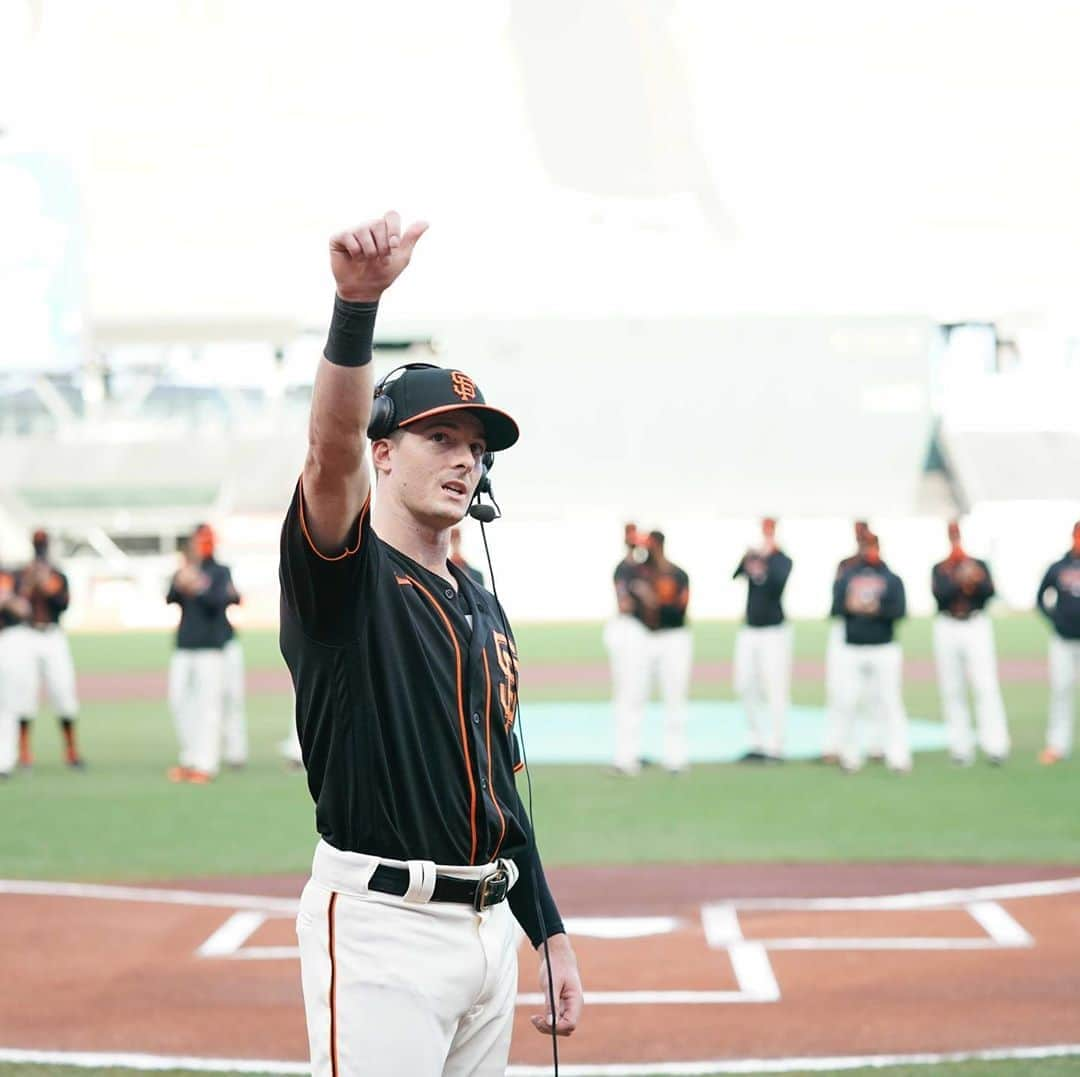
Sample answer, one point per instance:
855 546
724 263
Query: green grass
121 820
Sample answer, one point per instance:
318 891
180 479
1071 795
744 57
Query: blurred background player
624 638
47 652
650 634
458 558
233 716
964 643
13 667
763 647
1063 579
873 600
200 588
834 655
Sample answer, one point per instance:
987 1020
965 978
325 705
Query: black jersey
46 589
871 599
1063 578
766 579
957 596
658 596
8 584
406 698
203 625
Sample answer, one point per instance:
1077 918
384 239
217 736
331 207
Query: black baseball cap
424 393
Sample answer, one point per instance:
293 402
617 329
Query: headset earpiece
381 422
487 462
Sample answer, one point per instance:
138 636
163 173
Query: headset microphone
484 513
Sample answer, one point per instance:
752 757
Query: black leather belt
479 893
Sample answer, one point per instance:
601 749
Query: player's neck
428 546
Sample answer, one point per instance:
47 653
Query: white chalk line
290 906
707 1068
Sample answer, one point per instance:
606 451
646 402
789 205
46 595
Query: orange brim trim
466 407
311 542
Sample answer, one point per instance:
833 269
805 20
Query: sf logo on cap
463 385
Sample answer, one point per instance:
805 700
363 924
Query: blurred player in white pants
1062 581
873 599
233 716
649 635
964 648
13 668
197 669
834 657
48 654
763 647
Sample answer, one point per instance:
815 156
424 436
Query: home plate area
670 978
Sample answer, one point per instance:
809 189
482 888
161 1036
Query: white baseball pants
11 664
966 649
762 678
403 985
636 653
196 680
51 664
871 682
1064 678
233 719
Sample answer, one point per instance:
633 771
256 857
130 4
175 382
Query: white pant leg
208 671
888 665
627 643
1064 673
748 685
58 671
950 653
23 670
9 725
181 676
233 719
850 690
989 704
775 666
834 672
674 650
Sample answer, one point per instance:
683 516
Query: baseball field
736 919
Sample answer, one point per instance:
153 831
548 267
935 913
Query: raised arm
365 261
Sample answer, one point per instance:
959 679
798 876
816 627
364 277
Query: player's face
435 466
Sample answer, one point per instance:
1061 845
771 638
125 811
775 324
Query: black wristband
352 329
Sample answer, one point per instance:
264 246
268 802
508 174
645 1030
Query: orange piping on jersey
461 711
307 534
491 778
333 986
404 581
519 768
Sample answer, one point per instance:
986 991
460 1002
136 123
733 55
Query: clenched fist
367 259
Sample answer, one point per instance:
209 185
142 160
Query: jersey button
476 718
451 593
483 783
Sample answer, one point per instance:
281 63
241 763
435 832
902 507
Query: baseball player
650 637
1062 580
233 718
834 655
458 558
872 599
47 652
13 612
406 679
763 647
197 670
964 645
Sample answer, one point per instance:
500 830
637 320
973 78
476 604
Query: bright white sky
615 157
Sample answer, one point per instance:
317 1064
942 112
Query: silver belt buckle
492 889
